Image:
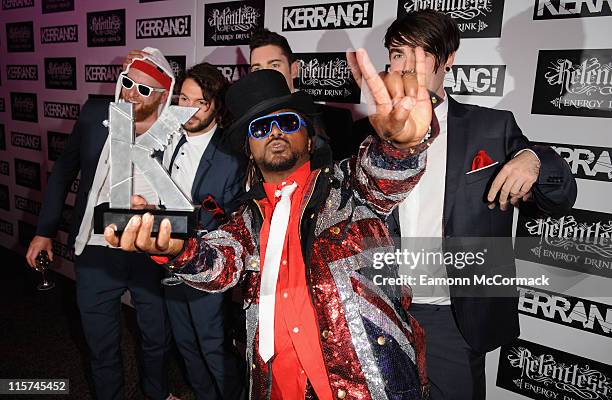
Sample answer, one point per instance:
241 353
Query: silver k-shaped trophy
126 154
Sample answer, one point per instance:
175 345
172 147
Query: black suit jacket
220 175
486 322
82 153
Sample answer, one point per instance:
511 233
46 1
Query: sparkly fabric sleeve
214 261
384 175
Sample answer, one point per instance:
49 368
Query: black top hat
257 94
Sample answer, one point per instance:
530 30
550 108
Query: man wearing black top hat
302 244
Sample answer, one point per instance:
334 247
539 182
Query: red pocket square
481 160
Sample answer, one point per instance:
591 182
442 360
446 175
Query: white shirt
187 159
420 214
140 186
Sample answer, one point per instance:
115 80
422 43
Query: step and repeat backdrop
548 61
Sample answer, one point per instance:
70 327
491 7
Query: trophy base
184 222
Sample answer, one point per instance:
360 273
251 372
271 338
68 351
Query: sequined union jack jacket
372 348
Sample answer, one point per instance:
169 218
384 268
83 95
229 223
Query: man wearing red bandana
104 274
303 243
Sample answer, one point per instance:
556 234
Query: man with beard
103 274
203 168
302 245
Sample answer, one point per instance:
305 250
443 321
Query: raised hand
403 109
137 237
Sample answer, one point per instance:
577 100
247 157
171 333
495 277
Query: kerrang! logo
59 34
106 25
61 110
240 20
588 77
103 73
60 70
327 16
460 9
566 232
581 380
10 4
334 73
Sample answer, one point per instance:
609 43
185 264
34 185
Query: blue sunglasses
286 122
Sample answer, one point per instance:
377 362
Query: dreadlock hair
213 85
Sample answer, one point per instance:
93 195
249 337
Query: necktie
181 142
274 252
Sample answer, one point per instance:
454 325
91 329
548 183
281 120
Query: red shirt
297 350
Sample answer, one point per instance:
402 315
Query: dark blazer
485 322
81 154
220 175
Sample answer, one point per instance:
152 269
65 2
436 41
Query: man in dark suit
203 167
269 50
104 274
458 197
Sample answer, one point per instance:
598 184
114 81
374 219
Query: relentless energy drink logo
60 73
558 9
232 23
327 77
27 205
22 72
27 174
178 65
5 201
61 110
163 27
106 28
562 309
24 107
53 6
574 82
20 36
234 72
579 241
12 4
26 141
476 80
56 143
4 168
586 162
345 15
475 18
59 34
540 372
108 73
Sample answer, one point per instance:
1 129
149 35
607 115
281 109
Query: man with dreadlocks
302 245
